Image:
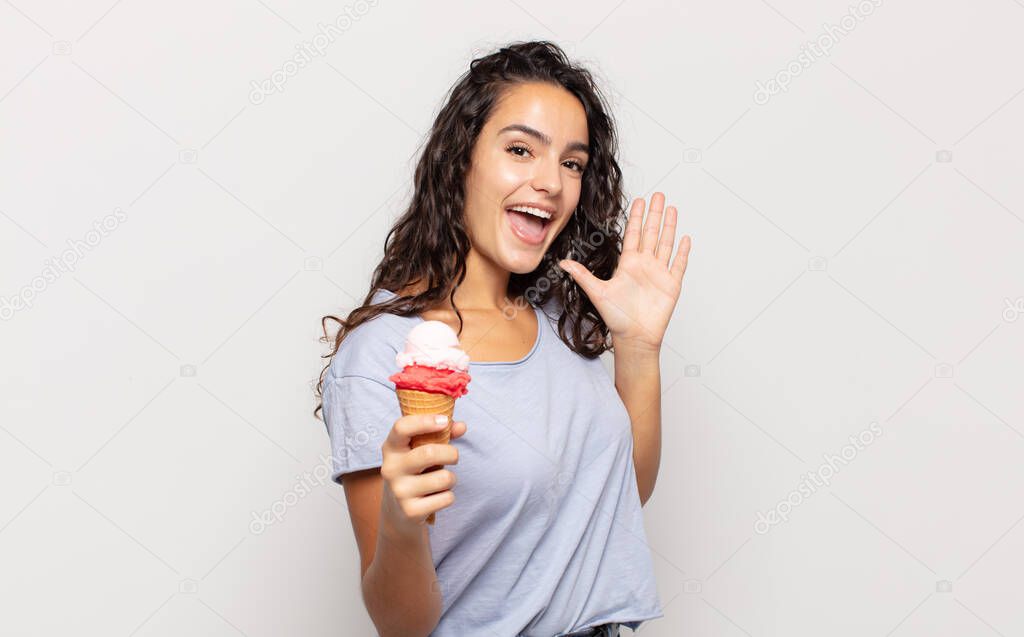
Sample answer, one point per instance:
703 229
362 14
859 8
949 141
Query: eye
516 148
578 167
512 148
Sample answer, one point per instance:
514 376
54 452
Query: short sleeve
359 402
359 412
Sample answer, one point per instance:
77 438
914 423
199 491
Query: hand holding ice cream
434 373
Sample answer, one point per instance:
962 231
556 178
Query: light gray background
858 252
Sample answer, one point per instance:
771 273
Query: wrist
635 348
636 365
394 526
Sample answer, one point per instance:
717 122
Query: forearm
638 381
400 586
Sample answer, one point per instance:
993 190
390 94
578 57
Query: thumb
581 275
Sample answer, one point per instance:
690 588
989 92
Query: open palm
637 302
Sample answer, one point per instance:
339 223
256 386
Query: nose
547 177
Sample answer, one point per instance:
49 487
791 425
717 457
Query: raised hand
637 302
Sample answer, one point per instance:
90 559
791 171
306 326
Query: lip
529 240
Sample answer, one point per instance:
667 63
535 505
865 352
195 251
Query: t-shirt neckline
528 356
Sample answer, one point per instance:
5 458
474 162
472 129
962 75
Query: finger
678 268
590 284
430 455
424 484
436 502
649 238
431 503
668 236
458 429
408 426
631 237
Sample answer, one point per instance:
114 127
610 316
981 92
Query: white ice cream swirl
433 344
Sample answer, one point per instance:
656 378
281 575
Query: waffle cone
412 402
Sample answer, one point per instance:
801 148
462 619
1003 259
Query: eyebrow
544 139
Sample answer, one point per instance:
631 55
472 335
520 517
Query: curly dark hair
429 243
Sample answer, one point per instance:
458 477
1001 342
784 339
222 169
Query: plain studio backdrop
843 434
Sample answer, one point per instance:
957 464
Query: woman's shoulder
370 348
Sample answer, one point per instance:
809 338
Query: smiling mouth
528 227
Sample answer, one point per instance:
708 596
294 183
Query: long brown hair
429 243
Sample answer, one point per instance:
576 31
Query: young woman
513 238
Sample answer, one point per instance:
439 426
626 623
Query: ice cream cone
434 372
413 401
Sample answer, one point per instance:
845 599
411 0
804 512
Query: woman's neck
485 286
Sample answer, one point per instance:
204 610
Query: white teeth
537 212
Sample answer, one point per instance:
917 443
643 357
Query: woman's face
531 151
